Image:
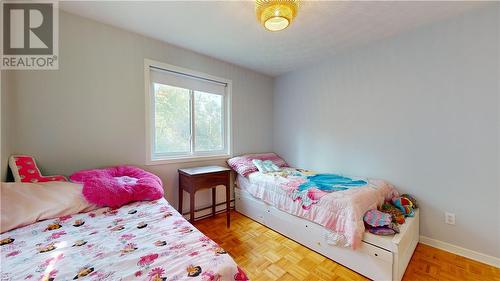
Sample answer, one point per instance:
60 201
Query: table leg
191 207
181 191
214 199
228 202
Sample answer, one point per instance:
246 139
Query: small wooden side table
194 179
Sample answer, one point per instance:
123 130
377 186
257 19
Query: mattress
341 212
139 241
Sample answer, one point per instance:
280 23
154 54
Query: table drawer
204 181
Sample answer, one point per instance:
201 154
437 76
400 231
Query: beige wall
91 112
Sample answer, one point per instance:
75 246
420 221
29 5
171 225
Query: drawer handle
376 254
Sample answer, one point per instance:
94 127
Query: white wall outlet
449 218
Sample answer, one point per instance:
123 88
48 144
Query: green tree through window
175 108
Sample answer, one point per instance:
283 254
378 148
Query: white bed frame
380 258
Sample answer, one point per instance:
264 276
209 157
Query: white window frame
150 118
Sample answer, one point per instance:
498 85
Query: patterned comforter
139 241
336 202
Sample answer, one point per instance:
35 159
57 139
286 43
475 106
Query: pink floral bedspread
139 241
341 212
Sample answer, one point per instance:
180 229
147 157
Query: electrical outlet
449 218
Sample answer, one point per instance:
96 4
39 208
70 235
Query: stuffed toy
397 215
405 205
412 199
24 169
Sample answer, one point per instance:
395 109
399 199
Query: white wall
91 112
419 110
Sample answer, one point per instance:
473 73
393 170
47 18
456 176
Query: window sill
151 162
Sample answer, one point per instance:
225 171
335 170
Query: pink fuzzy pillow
117 186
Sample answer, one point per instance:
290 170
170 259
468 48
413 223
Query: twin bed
329 223
147 240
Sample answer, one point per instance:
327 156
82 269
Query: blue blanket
330 182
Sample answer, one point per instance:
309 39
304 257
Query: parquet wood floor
267 255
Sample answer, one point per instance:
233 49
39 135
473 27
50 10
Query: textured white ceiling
229 30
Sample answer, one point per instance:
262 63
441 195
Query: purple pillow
117 186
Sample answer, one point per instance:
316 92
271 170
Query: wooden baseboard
457 250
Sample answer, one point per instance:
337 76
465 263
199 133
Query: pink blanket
339 211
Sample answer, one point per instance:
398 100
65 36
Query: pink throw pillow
244 166
117 186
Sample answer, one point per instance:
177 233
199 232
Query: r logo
28 29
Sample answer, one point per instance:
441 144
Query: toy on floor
24 169
117 186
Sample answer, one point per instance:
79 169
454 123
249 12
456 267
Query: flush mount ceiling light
276 15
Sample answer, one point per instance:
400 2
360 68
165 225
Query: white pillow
27 203
270 166
259 165
266 166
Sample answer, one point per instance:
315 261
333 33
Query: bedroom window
188 114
